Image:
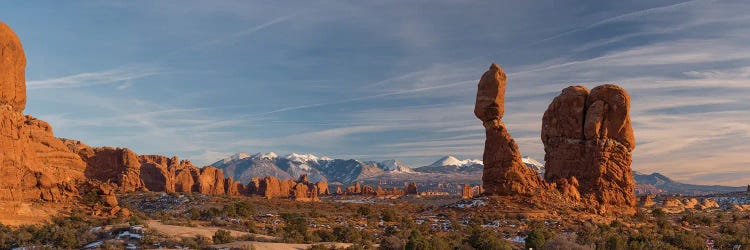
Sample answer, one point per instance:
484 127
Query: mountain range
243 167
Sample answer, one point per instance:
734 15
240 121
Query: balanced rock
504 171
589 136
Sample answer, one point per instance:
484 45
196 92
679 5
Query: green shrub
222 236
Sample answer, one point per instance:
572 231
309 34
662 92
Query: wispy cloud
124 75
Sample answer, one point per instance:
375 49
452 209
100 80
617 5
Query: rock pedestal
504 170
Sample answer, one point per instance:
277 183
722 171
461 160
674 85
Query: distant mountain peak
453 161
395 166
302 158
266 156
533 164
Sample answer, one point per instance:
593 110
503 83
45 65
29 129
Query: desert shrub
389 214
482 239
615 242
586 234
222 236
658 212
295 222
244 209
346 234
563 243
695 218
364 211
391 243
685 240
417 241
64 232
538 236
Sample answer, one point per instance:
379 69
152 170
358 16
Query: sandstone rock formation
211 181
647 201
504 171
157 173
467 192
300 190
12 70
368 190
411 188
323 188
34 165
588 136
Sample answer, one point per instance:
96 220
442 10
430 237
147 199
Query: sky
376 80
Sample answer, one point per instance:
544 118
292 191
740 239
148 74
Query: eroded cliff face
300 190
504 171
12 70
131 172
34 165
588 141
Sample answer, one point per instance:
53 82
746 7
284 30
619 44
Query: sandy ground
15 213
192 232
275 246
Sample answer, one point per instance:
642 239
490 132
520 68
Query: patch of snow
395 166
266 156
473 203
453 161
235 157
533 164
93 245
302 158
518 239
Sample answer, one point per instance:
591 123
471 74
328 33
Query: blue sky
376 80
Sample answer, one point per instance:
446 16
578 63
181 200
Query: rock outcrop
504 171
12 70
300 190
411 188
34 165
588 136
131 172
467 192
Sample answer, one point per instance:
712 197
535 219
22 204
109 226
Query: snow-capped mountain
453 161
244 167
534 164
394 166
266 156
234 157
302 158
451 164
